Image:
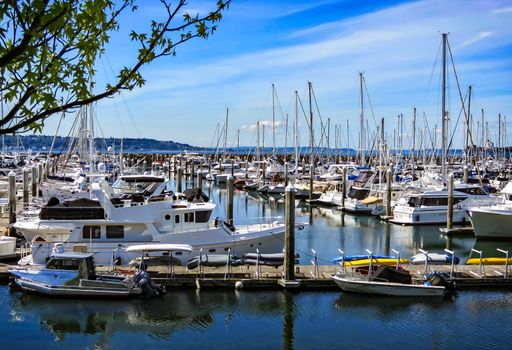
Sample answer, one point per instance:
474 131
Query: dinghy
434 259
73 274
392 282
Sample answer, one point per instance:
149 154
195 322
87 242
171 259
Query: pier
308 277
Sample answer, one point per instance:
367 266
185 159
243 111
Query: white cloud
503 10
262 123
478 37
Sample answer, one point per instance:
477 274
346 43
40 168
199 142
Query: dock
270 278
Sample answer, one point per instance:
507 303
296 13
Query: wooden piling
25 186
199 180
343 187
12 199
34 181
389 182
229 202
449 216
179 180
289 236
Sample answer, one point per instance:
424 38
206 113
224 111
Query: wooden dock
270 278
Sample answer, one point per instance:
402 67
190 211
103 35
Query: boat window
91 232
358 193
115 231
189 217
432 201
62 264
177 219
414 201
203 216
476 191
211 251
457 200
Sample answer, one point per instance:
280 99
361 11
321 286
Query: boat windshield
63 264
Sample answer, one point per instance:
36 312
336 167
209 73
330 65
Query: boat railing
25 250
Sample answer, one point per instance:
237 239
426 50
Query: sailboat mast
226 134
413 136
444 114
468 126
273 122
362 132
296 133
258 142
311 144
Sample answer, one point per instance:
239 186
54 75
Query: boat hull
491 224
74 291
354 285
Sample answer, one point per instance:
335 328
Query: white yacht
160 221
494 221
430 207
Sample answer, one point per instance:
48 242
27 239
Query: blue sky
327 42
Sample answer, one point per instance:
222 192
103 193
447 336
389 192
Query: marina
283 174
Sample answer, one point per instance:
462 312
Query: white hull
356 285
266 238
426 216
489 223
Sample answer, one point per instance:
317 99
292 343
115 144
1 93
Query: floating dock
307 277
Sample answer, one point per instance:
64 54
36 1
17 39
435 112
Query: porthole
167 217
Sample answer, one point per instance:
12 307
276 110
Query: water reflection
159 318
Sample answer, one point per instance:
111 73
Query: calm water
257 320
277 319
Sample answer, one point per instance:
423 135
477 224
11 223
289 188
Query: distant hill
42 143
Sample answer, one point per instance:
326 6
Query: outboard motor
147 285
435 278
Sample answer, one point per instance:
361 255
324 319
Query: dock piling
34 182
289 236
199 180
449 213
343 187
25 186
180 178
389 180
12 200
229 202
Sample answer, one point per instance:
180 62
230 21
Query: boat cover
391 275
77 209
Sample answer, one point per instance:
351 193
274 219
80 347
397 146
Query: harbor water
219 319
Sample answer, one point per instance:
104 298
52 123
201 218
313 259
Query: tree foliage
48 51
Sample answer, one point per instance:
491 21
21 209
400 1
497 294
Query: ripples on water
276 319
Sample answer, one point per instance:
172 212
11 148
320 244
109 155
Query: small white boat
73 274
388 281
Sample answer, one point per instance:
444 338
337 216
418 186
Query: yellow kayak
375 261
488 261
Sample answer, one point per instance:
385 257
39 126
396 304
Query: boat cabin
75 261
